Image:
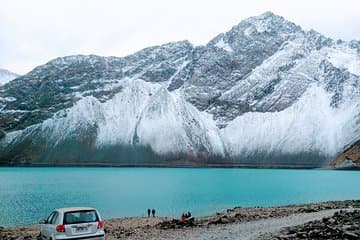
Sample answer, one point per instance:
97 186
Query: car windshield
84 216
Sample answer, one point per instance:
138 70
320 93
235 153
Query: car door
45 228
53 223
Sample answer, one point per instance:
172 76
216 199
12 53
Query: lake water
29 194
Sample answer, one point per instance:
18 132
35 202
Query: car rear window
84 216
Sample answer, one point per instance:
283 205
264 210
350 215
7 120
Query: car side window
49 219
54 218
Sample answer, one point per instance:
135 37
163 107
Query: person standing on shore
153 212
149 212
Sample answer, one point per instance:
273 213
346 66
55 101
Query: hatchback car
72 224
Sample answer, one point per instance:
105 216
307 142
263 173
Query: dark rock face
229 57
2 133
350 158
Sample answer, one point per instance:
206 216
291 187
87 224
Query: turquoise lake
29 194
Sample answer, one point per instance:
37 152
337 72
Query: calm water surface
29 194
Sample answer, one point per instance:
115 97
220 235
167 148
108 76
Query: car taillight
60 228
100 224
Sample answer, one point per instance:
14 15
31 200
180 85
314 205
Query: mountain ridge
206 104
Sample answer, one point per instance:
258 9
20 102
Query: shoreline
164 227
199 166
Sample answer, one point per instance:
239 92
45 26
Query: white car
73 223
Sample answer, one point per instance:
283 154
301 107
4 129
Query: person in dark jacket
153 212
149 212
183 217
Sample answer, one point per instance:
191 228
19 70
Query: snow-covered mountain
265 93
6 76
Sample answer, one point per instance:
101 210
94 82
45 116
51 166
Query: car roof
71 209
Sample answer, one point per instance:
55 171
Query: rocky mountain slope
6 76
265 93
350 158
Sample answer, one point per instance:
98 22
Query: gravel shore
343 224
248 230
237 223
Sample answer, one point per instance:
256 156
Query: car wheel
39 237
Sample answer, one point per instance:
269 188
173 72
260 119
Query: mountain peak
6 76
268 14
266 27
270 22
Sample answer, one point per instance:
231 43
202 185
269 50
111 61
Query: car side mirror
42 221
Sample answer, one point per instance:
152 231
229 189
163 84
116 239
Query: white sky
33 32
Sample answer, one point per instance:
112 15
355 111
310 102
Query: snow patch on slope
171 125
221 44
310 125
344 57
123 112
248 31
86 112
276 75
147 114
142 113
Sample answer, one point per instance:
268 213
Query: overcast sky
34 32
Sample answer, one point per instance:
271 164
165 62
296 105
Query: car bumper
92 237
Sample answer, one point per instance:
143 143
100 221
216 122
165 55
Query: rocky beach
342 225
334 219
